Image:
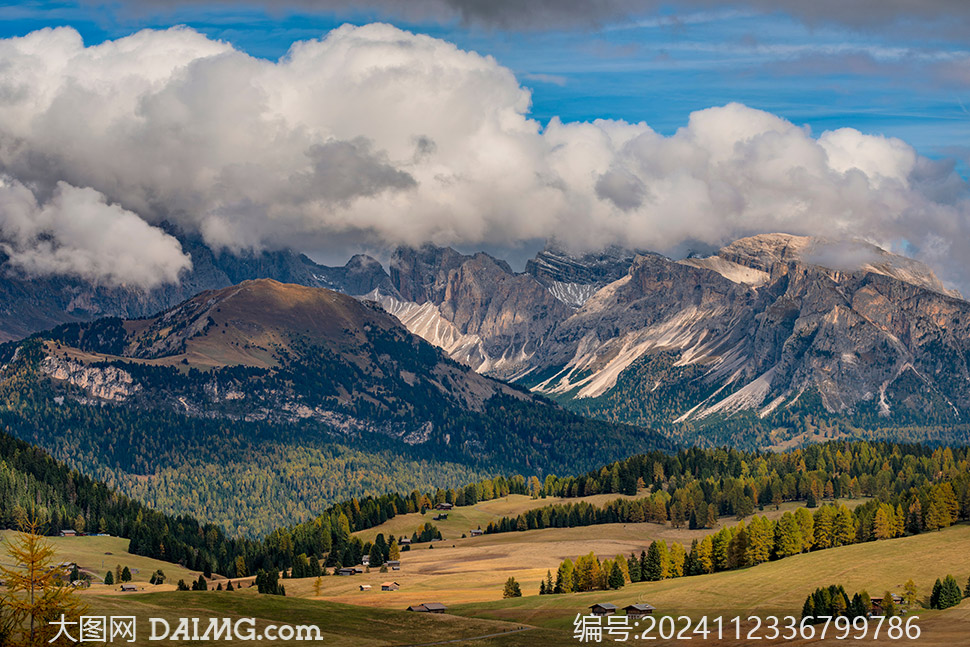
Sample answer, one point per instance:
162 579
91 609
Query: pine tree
844 527
549 584
376 556
125 574
634 565
882 527
788 540
855 607
966 590
35 592
935 596
950 595
564 577
512 589
657 562
230 587
616 580
182 586
109 578
808 609
317 587
542 587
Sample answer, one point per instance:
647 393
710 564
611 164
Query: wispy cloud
554 79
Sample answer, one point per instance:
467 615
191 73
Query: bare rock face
760 326
104 383
506 314
574 279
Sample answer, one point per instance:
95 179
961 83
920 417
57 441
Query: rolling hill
242 399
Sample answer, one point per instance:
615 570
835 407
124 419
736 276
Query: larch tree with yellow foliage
37 592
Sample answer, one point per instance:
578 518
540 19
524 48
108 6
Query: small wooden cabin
603 609
428 607
638 610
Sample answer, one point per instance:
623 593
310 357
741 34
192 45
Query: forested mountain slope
257 404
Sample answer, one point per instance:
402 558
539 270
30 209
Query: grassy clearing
468 579
463 519
340 624
98 555
473 569
774 587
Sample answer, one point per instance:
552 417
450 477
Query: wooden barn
603 609
639 610
428 607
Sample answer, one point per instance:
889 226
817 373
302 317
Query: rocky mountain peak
767 255
574 278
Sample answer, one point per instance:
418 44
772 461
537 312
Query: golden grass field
462 520
101 554
467 575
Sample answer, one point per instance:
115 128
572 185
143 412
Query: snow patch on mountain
573 294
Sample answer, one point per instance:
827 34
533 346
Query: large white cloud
380 135
77 233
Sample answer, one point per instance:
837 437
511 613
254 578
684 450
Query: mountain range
771 340
767 330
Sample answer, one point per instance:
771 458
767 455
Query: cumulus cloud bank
77 233
382 136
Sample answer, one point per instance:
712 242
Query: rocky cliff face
475 307
574 279
767 325
101 383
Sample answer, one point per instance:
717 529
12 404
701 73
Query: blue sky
657 67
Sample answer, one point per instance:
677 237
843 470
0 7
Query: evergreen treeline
833 601
758 541
588 573
946 593
695 487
